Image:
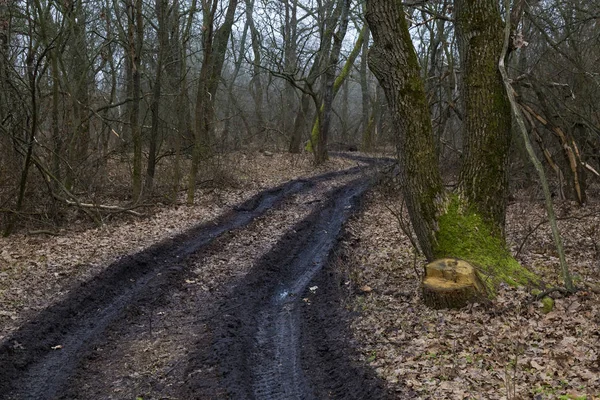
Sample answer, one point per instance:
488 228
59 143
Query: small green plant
372 357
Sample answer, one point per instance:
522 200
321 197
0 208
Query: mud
252 349
267 342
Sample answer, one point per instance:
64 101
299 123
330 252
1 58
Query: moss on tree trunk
487 124
469 224
393 60
463 233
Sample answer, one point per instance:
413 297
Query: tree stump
451 283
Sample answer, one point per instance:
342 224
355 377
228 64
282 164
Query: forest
206 199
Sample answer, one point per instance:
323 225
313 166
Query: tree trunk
467 225
135 33
328 94
290 65
215 47
32 126
256 87
163 42
299 124
487 124
394 62
5 22
56 136
367 120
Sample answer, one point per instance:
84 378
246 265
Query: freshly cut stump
451 283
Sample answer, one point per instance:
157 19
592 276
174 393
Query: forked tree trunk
215 48
468 224
328 94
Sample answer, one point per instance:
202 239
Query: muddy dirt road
242 308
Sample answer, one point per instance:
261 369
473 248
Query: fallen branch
102 207
550 291
43 232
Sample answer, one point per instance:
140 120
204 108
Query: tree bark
135 36
394 62
163 42
256 87
367 120
487 123
215 47
468 224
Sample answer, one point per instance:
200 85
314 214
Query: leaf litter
510 349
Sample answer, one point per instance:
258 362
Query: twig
545 293
404 226
545 221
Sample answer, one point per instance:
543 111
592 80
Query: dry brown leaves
508 351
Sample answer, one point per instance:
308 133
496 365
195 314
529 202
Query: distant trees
145 95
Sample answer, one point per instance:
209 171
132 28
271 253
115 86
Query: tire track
259 347
37 361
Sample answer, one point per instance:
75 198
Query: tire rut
37 360
259 346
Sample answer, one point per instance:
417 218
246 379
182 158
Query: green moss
314 135
464 234
548 303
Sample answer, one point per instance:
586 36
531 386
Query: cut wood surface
451 283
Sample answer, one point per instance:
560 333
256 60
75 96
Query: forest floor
209 306
510 349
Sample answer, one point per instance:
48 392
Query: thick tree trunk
394 62
487 123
